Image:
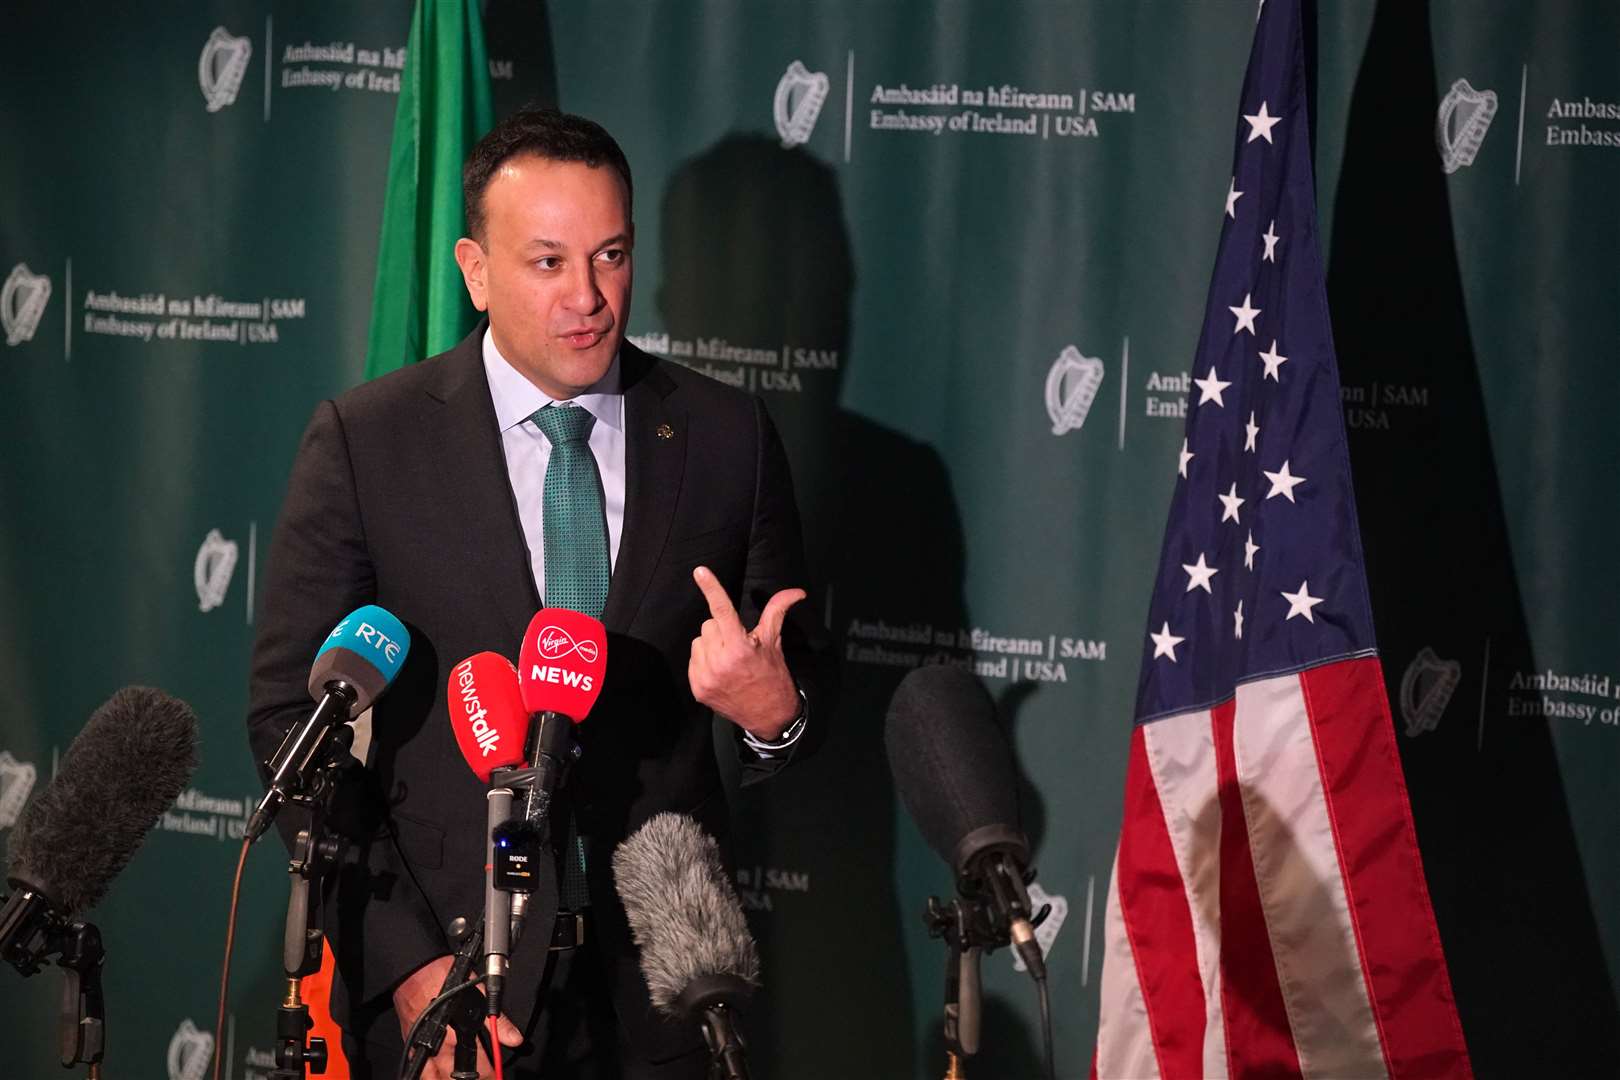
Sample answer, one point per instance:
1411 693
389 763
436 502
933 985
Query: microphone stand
315 852
462 1012
974 923
34 932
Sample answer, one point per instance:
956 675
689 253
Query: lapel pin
665 431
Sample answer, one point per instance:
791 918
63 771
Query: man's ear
474 262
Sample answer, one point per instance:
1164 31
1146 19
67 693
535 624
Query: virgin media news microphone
955 774
125 768
698 958
490 724
353 666
560 666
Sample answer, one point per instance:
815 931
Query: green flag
419 306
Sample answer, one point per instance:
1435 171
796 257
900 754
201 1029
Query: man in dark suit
428 492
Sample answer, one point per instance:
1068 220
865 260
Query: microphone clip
34 932
992 910
312 753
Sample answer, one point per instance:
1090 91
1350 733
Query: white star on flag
1199 573
1232 196
1274 362
1260 125
1300 603
1210 387
1164 644
1283 482
1245 315
1302 710
1231 501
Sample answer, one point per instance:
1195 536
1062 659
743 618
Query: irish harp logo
216 561
1071 387
16 783
800 93
1426 690
1465 115
22 302
220 68
189 1052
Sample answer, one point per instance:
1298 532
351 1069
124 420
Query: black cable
1046 1027
410 1036
225 966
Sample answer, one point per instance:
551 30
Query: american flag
1267 913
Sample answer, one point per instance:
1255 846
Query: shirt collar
516 398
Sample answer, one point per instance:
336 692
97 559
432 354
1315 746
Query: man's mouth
583 337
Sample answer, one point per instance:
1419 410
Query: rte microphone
698 958
354 665
489 721
955 774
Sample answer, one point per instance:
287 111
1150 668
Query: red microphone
561 662
491 726
487 712
560 666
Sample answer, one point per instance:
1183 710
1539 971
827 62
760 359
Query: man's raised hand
740 673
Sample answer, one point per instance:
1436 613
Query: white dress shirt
528 450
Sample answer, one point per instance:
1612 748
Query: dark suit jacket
399 496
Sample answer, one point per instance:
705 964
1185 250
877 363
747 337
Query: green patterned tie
574 532
575 524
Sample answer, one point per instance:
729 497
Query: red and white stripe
1267 913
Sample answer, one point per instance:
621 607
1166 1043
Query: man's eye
548 262
612 256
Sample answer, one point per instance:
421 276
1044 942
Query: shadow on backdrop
518 32
756 251
1509 891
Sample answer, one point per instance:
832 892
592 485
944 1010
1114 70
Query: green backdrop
962 249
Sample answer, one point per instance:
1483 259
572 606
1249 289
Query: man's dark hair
544 132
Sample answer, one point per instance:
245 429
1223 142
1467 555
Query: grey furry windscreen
683 912
125 768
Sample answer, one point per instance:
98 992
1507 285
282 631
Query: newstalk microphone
127 766
491 725
698 958
352 668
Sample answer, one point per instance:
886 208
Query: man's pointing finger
720 607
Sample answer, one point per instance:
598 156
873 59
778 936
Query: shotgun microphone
698 958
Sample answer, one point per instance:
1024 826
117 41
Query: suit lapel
655 460
473 474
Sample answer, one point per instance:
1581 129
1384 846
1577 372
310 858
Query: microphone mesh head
683 912
951 765
125 768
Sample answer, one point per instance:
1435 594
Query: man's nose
583 295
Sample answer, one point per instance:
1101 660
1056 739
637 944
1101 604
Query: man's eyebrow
557 245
